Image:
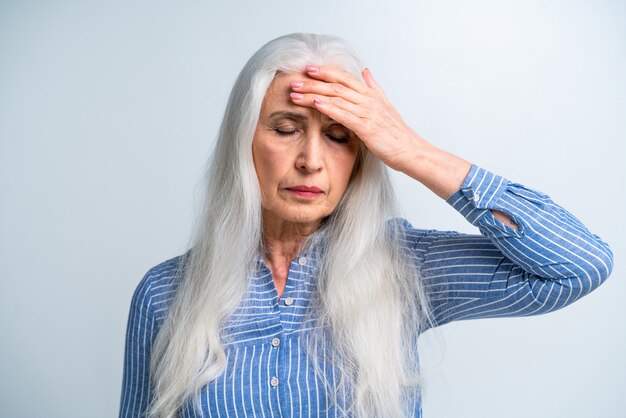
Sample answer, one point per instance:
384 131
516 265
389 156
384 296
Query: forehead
277 99
281 81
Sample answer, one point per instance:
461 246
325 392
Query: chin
306 218
301 215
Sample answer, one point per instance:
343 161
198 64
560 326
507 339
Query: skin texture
337 104
294 146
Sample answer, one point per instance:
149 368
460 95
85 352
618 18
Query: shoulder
420 243
412 236
157 288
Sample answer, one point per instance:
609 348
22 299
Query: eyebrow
299 117
290 115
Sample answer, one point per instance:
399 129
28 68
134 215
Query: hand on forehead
279 92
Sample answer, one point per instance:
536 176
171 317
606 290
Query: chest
270 371
271 378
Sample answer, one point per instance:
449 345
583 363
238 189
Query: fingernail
296 96
318 101
312 68
297 84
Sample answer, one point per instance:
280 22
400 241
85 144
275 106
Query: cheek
337 176
344 164
268 165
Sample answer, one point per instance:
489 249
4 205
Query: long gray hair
369 301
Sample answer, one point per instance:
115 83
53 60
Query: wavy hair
369 303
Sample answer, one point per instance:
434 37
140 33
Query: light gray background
108 111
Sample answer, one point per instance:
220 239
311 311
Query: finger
326 89
369 79
312 100
334 74
339 115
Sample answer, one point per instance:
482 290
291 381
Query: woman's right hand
365 110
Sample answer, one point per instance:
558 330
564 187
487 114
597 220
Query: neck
283 239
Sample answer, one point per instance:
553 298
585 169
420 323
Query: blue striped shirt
551 261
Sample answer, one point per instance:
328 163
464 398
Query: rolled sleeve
549 241
480 191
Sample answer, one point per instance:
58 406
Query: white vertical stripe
306 378
269 388
216 398
252 357
263 386
279 389
243 368
233 399
299 363
317 393
289 380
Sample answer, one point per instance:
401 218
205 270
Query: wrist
440 171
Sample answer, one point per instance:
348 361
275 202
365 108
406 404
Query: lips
310 189
306 191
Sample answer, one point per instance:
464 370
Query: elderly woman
303 294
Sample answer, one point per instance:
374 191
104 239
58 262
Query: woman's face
303 159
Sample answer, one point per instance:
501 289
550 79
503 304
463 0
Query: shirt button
276 342
289 301
274 381
302 261
476 197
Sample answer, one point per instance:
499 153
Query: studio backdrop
109 110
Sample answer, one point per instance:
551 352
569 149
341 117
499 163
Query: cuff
479 192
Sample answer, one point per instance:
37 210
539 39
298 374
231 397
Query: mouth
308 192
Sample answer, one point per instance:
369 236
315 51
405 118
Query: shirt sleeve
136 384
551 261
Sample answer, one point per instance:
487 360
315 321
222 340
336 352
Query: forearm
440 171
550 260
549 242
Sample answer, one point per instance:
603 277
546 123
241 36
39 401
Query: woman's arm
140 333
532 257
365 110
550 260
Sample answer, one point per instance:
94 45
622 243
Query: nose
311 154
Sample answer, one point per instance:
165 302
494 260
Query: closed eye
340 139
282 132
338 133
